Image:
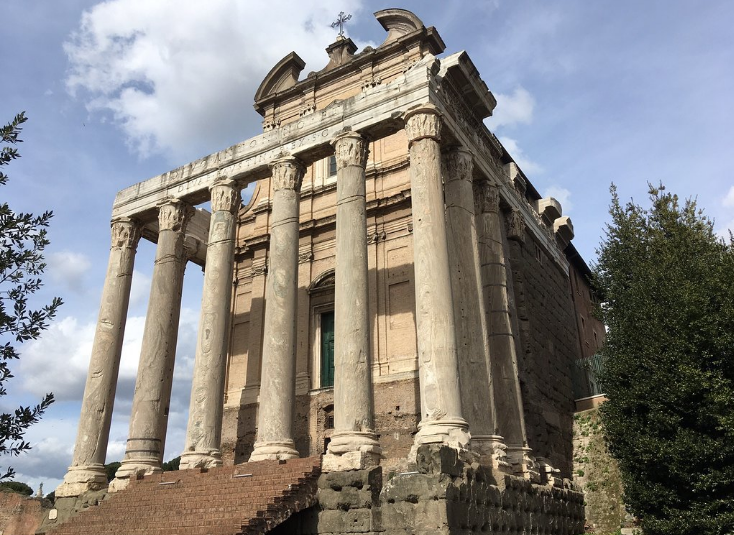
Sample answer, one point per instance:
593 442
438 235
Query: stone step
232 500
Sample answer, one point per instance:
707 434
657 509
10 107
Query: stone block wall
548 346
441 495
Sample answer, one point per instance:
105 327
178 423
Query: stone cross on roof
340 20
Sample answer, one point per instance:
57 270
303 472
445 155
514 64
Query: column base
352 450
523 463
81 479
451 432
274 451
200 459
492 451
133 469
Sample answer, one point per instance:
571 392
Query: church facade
394 283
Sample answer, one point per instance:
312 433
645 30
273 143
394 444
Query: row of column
449 278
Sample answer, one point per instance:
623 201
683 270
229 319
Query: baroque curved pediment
281 77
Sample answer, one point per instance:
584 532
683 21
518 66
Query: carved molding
125 233
458 164
351 149
516 226
422 123
225 196
287 173
174 215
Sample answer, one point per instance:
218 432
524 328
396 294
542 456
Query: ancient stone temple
391 309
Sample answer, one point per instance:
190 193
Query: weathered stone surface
86 472
149 417
353 405
477 403
441 416
277 392
204 431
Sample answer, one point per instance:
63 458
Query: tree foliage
16 486
667 283
22 241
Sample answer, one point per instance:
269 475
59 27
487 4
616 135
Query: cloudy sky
589 93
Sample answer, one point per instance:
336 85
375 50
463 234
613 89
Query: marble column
441 416
507 396
204 431
149 417
477 401
278 382
354 444
87 472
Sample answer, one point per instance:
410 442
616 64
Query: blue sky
589 93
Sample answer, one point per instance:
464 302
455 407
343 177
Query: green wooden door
327 349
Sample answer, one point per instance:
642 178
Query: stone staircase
234 500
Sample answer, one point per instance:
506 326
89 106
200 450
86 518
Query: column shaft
204 431
471 328
508 399
441 415
354 443
149 417
87 468
278 383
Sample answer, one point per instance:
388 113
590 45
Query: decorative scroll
174 215
425 122
125 233
351 150
225 196
287 174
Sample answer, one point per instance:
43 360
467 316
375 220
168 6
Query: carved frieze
174 214
287 174
516 226
125 233
424 122
225 196
351 149
458 164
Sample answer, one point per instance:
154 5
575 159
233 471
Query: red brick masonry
232 500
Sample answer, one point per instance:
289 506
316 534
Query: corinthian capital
125 233
423 122
458 164
516 226
351 149
173 215
287 173
225 196
486 197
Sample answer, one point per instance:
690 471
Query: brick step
232 500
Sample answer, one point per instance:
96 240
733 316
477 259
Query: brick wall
20 515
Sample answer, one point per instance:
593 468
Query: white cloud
562 195
528 166
728 201
178 77
513 109
57 362
68 268
140 288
